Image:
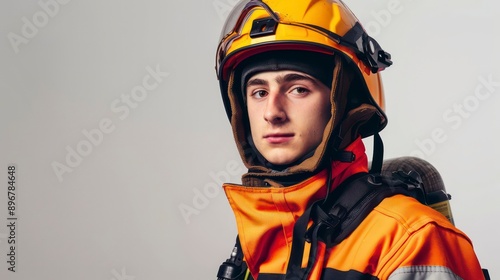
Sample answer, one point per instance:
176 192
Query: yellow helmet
320 26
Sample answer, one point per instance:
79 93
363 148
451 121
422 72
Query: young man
301 86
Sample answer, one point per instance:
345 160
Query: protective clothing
391 243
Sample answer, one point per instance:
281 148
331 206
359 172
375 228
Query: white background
66 70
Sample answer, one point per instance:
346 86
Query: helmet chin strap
378 154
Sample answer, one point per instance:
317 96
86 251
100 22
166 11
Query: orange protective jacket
400 239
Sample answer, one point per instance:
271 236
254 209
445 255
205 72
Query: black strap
378 154
337 217
486 274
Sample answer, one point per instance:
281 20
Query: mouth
278 138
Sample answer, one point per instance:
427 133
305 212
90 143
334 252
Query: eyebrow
295 77
256 82
281 79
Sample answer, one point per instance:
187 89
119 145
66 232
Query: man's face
288 112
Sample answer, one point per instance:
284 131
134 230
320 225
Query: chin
281 160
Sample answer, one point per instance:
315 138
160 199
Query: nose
275 108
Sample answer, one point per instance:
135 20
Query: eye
258 94
300 91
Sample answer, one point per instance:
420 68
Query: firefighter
300 81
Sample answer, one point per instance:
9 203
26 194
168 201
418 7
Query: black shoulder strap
353 201
337 217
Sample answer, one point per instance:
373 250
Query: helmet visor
232 27
239 13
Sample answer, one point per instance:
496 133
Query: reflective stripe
424 273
